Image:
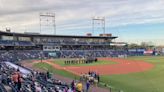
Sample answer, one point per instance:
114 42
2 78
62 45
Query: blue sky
132 21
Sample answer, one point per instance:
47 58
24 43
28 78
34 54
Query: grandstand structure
59 45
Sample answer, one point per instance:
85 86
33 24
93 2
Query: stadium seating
46 84
37 54
15 43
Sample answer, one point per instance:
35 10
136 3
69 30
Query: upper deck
2 33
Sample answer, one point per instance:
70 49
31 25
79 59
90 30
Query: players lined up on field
80 61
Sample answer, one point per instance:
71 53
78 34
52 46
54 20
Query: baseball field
133 74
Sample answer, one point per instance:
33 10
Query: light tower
100 21
47 20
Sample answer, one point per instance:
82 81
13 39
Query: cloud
19 14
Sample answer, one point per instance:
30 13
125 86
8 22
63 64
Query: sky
133 21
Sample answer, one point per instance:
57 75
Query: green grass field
61 63
50 68
148 81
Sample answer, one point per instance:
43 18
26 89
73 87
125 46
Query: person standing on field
87 86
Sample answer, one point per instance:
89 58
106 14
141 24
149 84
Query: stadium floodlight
47 20
100 21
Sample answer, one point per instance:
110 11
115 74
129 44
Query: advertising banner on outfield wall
140 50
148 52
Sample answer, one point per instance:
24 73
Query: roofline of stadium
46 35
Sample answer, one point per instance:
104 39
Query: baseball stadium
108 66
120 49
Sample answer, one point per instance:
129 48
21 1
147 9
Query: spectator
15 79
19 80
70 90
98 78
37 88
48 74
73 85
79 87
87 86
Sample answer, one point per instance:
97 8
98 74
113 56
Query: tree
147 45
133 46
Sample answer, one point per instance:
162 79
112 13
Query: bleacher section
15 43
30 83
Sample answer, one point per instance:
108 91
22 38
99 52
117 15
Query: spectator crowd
12 80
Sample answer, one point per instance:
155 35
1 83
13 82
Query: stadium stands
15 43
37 54
34 82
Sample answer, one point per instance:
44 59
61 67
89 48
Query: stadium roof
46 35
